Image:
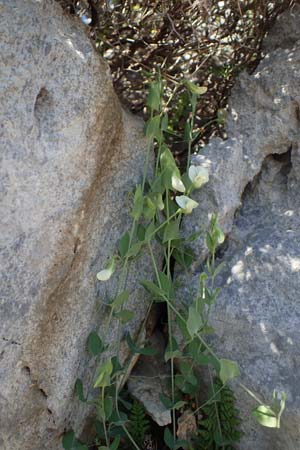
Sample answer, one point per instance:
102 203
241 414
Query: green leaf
154 290
149 210
188 185
164 122
166 284
181 444
218 269
68 440
278 404
99 429
124 244
118 419
219 235
147 351
221 116
171 231
265 416
172 350
108 407
228 370
115 444
80 446
140 232
116 365
167 161
179 404
125 315
183 328
138 203
167 402
94 344
79 390
149 233
187 372
153 100
185 386
157 185
128 405
169 439
194 89
100 411
192 237
184 257
205 360
194 321
171 442
187 131
134 250
120 299
105 370
152 127
156 200
210 243
172 354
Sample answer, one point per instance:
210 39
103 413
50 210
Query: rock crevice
254 188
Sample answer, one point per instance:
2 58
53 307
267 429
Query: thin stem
189 154
103 418
170 322
122 424
153 262
146 165
216 406
208 348
250 393
164 223
209 400
190 141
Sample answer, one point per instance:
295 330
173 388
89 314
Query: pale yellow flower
177 184
186 204
198 175
105 274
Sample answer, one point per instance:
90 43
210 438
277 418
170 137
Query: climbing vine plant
158 204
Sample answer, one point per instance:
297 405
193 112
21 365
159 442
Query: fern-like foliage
219 427
139 424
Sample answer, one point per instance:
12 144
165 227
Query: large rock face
254 187
69 157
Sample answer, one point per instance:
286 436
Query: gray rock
69 157
263 119
286 30
257 316
150 378
254 188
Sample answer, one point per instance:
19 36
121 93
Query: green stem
189 154
216 406
209 400
103 418
164 223
180 316
123 426
168 261
190 141
146 166
177 313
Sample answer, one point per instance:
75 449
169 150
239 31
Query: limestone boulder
254 188
69 158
